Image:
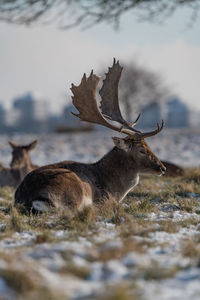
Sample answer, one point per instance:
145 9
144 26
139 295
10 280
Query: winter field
146 248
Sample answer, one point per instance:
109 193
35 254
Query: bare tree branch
86 13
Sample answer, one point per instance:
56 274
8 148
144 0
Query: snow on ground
180 146
47 259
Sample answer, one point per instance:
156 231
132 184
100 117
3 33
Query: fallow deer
172 170
75 184
20 165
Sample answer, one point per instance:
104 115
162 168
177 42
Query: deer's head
84 99
20 154
141 154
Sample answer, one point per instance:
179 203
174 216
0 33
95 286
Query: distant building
2 114
177 113
30 113
195 118
151 114
68 118
69 122
2 118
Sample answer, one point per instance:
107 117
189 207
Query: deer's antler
154 132
84 99
109 97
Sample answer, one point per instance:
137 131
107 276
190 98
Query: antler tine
85 101
137 119
154 132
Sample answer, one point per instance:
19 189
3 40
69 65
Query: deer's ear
12 144
120 143
31 145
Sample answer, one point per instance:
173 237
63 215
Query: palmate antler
109 96
84 99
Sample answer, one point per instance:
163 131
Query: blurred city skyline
30 114
48 60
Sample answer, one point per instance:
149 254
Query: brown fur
71 183
172 169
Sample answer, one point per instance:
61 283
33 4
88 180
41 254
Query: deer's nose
163 169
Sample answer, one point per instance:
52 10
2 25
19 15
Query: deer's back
66 183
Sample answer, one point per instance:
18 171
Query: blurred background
149 246
46 45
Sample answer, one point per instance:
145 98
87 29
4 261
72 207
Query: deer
71 184
172 169
20 164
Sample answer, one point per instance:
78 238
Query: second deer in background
20 165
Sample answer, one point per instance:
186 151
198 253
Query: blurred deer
77 184
172 170
20 165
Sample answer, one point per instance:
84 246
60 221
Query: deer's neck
117 173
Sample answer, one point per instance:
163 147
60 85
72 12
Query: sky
47 60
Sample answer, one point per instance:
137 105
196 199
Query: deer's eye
142 151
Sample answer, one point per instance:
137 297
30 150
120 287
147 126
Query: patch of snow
6 293
185 286
79 261
174 215
2 226
133 259
115 271
116 244
19 239
54 147
96 271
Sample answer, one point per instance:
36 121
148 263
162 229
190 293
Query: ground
147 247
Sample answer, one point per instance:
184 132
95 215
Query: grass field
147 247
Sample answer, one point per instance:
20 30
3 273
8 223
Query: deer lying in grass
172 169
77 184
20 165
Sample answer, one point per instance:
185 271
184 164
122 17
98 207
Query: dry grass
16 222
188 205
7 193
105 254
139 208
190 249
157 273
120 292
44 294
19 281
169 226
25 287
78 271
131 220
192 174
138 204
